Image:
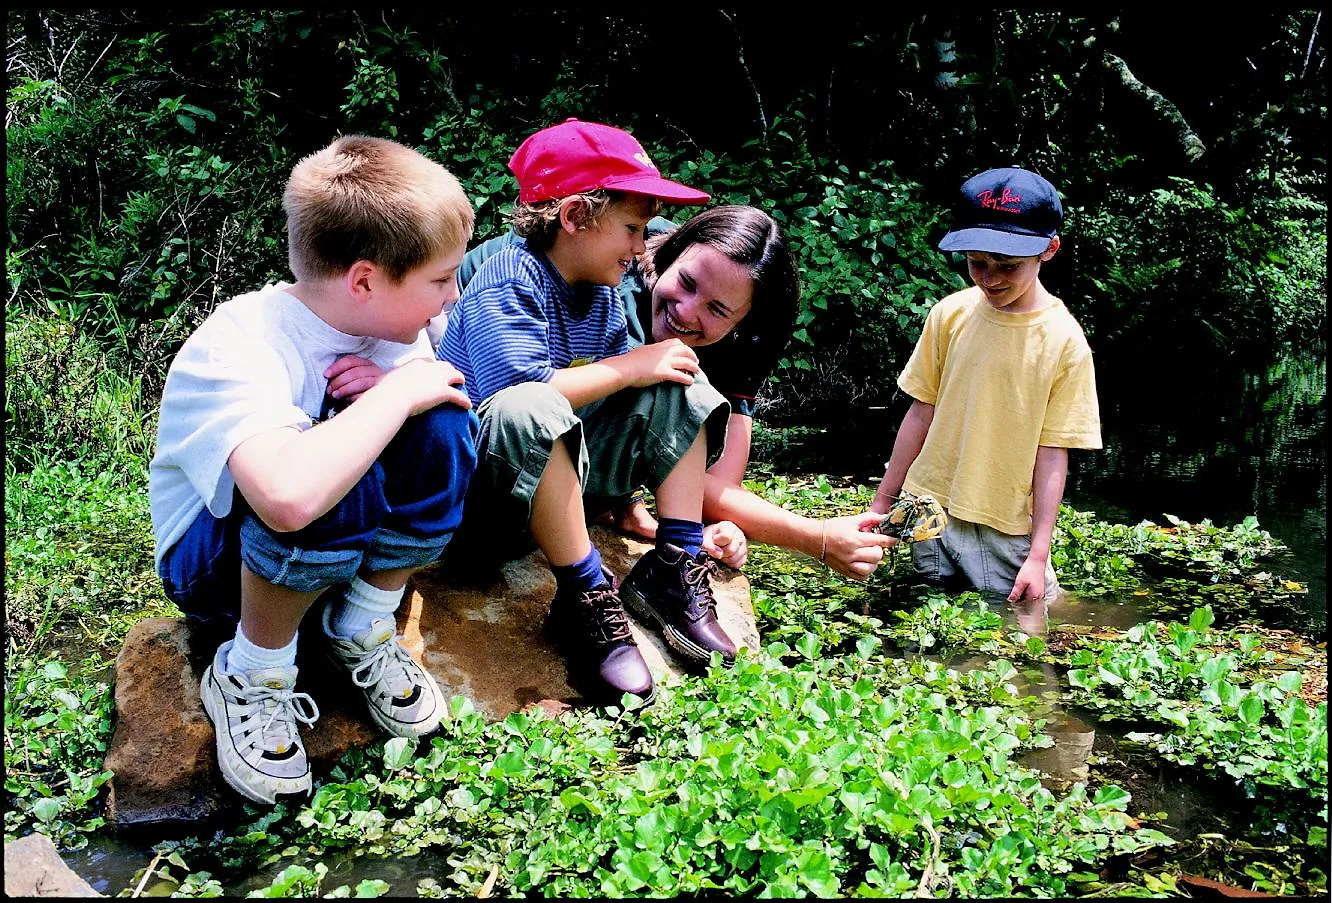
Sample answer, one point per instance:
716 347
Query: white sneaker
403 697
254 716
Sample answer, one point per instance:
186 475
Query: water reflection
1217 439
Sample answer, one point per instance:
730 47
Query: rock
33 868
466 622
479 633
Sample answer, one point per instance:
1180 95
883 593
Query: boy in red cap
568 410
1003 385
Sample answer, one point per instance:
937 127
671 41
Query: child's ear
1051 249
359 279
573 213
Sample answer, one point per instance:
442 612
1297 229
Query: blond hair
371 199
539 221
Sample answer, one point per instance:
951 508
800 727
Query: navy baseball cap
1008 211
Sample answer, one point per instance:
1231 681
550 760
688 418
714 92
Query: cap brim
658 187
994 241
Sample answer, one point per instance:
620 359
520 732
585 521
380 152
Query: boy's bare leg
558 524
270 614
585 615
680 495
394 579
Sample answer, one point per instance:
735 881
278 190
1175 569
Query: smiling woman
725 284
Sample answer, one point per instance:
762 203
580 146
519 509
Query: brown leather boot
592 631
670 591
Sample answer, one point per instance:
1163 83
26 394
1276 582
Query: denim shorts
976 556
400 514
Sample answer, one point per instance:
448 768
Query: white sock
361 604
242 655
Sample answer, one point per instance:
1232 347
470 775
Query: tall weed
70 395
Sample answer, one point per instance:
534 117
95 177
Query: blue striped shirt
519 321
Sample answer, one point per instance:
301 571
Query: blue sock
580 576
686 534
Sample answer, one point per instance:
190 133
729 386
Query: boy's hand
727 543
668 361
349 376
424 384
1030 583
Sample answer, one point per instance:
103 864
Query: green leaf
1290 682
46 809
399 753
1251 709
1111 797
372 887
1202 618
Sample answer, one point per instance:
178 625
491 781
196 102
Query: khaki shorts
976 556
630 439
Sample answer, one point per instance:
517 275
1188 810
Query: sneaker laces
281 708
606 616
387 661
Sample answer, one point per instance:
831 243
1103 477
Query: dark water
1197 437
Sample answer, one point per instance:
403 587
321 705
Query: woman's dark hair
752 239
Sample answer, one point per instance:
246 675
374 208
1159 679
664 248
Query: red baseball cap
576 156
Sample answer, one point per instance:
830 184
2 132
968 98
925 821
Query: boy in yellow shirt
1002 385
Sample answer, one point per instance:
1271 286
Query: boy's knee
527 402
443 430
274 559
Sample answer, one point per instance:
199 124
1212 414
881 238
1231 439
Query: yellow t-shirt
1001 385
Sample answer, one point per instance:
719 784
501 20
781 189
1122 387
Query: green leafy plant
1258 731
56 731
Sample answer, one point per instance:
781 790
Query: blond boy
269 491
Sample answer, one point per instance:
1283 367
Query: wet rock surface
479 631
33 868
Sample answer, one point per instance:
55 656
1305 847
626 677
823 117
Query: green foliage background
147 151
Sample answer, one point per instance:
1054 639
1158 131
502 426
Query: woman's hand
850 549
727 543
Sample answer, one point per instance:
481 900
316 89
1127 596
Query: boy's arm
646 365
291 477
1047 490
906 447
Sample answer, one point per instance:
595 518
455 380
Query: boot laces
606 615
697 571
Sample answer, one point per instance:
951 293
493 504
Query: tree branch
1188 138
758 98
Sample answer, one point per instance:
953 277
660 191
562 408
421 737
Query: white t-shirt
256 364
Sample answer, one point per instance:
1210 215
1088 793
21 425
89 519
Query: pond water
1195 437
